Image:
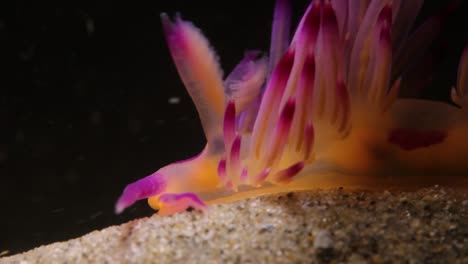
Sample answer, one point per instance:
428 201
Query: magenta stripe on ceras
385 15
304 103
373 71
234 162
356 64
307 33
261 177
329 23
330 58
381 68
222 174
305 41
341 10
280 136
270 100
285 176
307 15
229 125
383 65
229 135
244 176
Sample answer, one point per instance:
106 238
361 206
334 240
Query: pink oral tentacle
149 186
244 175
199 69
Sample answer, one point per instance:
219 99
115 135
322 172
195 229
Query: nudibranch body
323 111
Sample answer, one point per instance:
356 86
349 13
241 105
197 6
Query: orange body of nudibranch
322 112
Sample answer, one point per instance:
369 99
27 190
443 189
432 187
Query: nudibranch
322 111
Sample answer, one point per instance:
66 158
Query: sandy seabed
323 226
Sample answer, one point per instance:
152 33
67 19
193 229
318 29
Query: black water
84 105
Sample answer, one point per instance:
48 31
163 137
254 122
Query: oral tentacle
151 185
198 67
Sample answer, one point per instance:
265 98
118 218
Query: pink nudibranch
322 112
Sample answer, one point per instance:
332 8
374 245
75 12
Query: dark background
84 105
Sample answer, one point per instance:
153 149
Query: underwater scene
112 112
